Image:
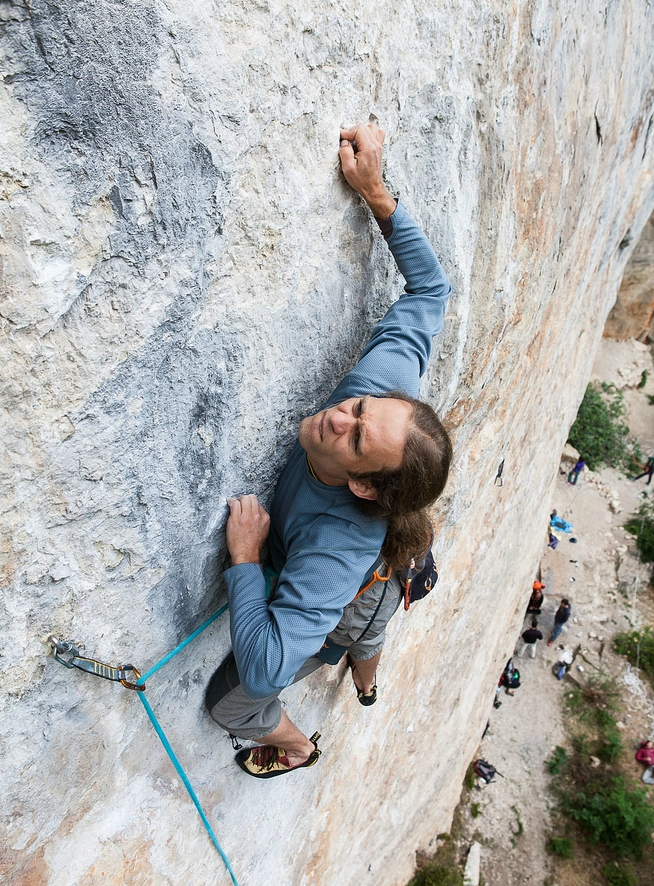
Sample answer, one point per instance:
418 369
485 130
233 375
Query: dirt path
607 586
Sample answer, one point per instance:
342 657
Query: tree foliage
620 817
599 433
638 646
642 526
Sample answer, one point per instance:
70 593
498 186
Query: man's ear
362 490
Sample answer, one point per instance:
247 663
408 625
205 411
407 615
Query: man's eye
356 443
358 409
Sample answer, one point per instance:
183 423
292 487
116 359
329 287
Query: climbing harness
498 477
68 655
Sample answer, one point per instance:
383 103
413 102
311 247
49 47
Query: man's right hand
247 529
363 169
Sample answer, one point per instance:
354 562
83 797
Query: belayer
349 512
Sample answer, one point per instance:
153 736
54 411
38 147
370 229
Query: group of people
532 635
648 470
510 678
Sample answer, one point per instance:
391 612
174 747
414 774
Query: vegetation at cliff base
443 869
641 525
599 433
598 804
638 646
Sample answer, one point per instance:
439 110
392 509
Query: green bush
610 746
469 779
556 763
617 876
638 646
437 875
599 433
443 869
642 526
561 846
621 818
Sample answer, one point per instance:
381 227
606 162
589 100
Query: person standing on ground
561 616
529 639
649 470
573 476
350 508
536 599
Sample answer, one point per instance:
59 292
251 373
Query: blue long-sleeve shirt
321 544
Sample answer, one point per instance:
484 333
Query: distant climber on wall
350 508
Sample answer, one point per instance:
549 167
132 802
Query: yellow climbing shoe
267 761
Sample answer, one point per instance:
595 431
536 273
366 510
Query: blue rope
167 658
187 783
166 743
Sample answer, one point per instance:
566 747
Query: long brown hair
404 495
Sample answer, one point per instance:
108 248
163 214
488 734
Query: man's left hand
247 529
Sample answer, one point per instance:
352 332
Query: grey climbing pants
251 719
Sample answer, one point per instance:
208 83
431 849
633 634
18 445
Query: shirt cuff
386 224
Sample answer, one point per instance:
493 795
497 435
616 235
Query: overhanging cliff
185 276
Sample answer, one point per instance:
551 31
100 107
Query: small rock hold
594 762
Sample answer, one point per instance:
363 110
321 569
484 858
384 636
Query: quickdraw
69 656
498 479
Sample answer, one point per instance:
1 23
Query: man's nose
341 421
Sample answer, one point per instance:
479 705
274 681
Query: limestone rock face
633 313
186 275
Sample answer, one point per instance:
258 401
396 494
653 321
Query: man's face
359 435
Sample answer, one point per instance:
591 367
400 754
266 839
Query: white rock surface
185 275
472 869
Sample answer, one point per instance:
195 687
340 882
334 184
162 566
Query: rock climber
350 508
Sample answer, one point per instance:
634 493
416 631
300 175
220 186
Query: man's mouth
320 426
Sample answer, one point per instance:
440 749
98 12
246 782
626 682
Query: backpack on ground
484 770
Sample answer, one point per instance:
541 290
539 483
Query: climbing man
349 512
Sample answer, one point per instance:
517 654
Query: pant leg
556 630
532 650
357 616
521 651
253 718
